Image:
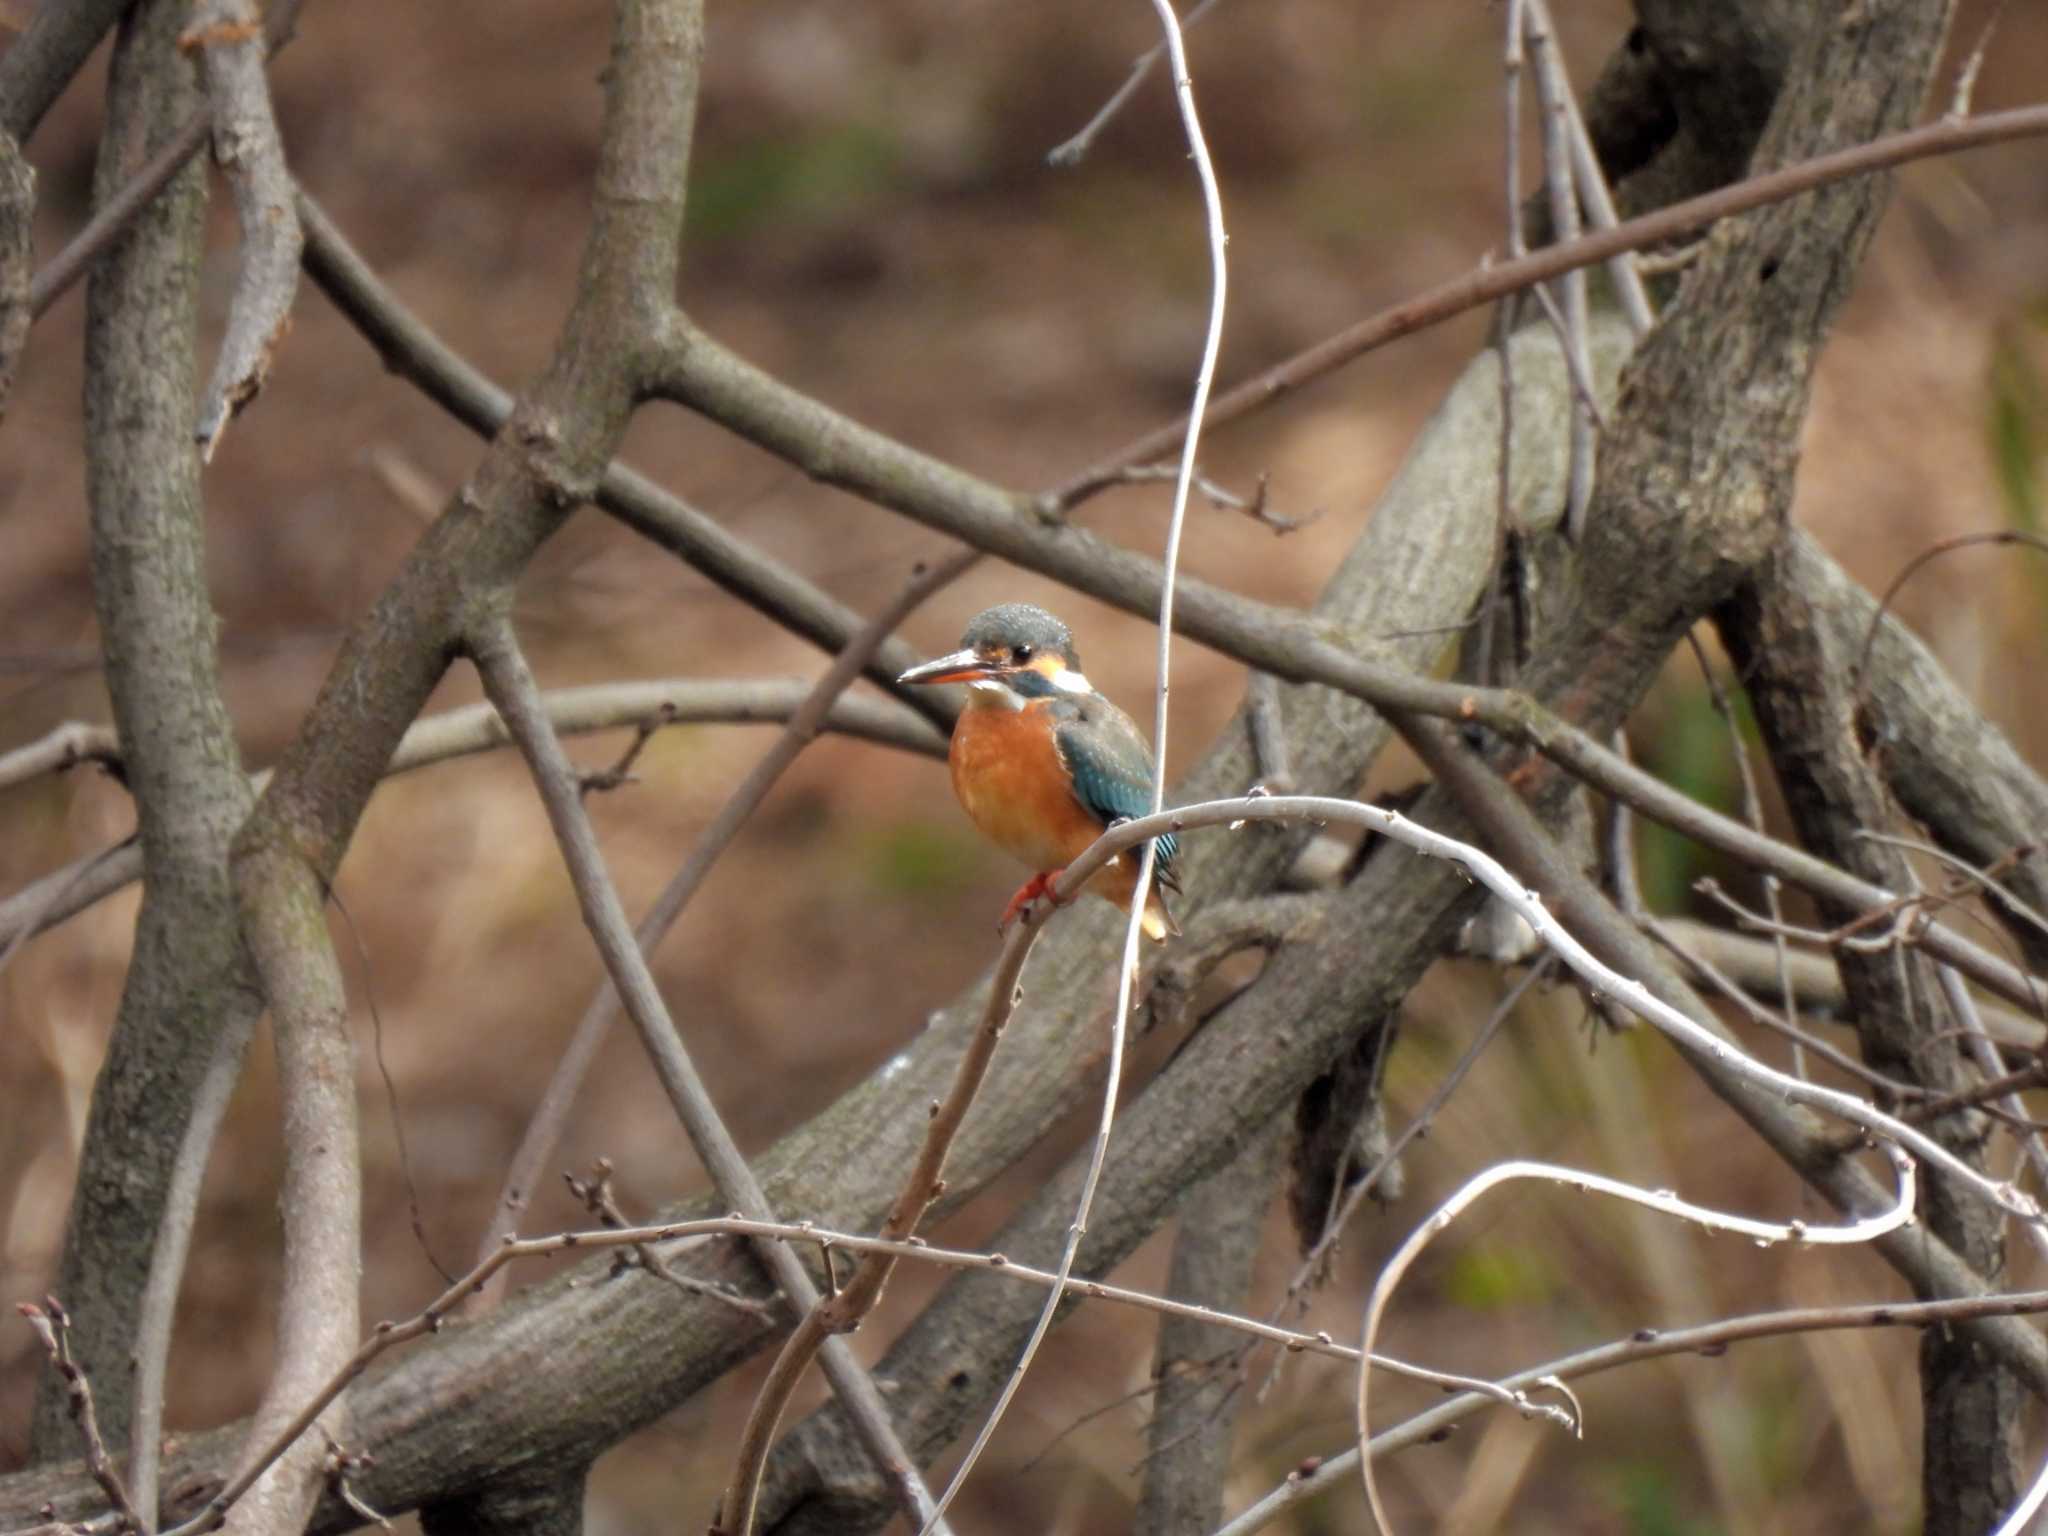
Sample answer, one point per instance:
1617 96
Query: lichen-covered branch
1798 671
1198 1385
189 983
17 255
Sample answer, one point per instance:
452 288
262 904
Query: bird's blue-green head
1014 653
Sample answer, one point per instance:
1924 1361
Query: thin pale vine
1862 1229
1212 202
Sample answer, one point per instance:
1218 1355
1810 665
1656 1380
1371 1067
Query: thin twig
1912 568
1751 964
53 1326
509 683
595 1194
1484 284
1982 878
1312 1263
1255 506
544 1127
339 1464
1753 816
1558 176
1590 180
1075 149
40 903
112 216
2002 1089
1801 1040
1966 77
1707 1339
476 728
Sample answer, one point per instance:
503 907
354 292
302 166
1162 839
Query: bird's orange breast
1012 784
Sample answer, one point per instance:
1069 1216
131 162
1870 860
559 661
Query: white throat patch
1000 694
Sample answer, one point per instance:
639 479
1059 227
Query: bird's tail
1158 921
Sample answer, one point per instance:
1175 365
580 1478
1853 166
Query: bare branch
48 55
1553 93
1486 283
1588 179
318 1324
118 207
156 1311
17 254
66 747
1511 826
430 1319
1214 1254
1644 1344
511 687
1689 1033
544 1128
189 986
412 350
228 37
463 732
53 1327
1074 150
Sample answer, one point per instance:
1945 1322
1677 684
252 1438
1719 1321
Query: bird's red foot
1038 885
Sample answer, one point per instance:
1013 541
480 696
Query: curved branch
228 37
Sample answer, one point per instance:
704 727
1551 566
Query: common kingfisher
1043 764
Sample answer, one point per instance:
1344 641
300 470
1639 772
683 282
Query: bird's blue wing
1111 767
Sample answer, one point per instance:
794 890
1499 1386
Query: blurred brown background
871 218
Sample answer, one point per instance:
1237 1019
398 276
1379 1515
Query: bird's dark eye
1021 654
